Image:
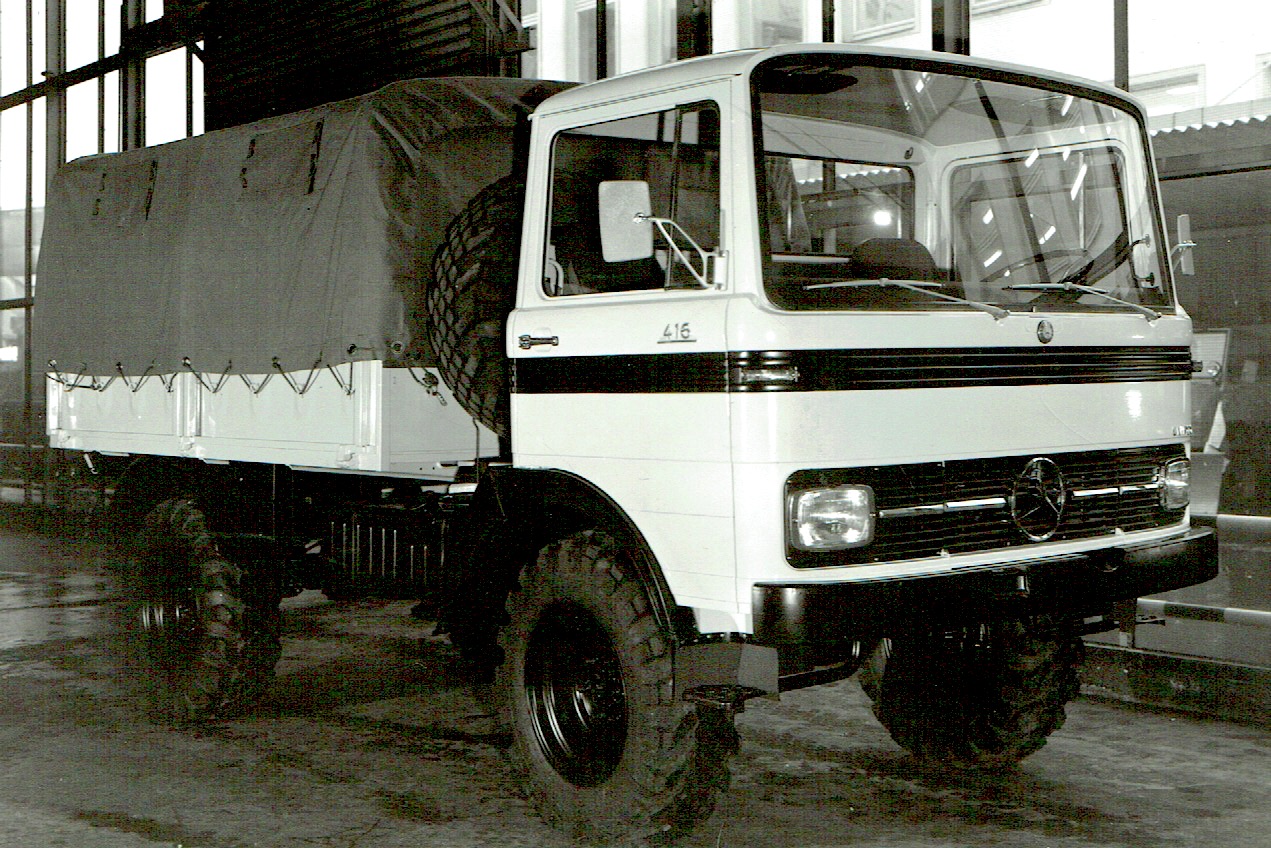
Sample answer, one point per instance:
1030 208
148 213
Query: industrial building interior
83 78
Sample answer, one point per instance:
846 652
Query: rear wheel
605 749
981 696
203 632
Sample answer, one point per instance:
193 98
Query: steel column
692 28
1121 44
132 83
951 26
55 100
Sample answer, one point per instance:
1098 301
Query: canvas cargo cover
294 242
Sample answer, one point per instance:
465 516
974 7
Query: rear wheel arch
219 490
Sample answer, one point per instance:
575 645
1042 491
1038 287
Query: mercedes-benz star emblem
1045 331
1038 497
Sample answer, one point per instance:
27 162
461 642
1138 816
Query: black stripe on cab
848 370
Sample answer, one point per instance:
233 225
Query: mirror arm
664 226
1184 247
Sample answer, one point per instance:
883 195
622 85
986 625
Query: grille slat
900 487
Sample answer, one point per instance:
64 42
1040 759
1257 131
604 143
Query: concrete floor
371 738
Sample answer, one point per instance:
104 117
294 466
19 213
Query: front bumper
1084 584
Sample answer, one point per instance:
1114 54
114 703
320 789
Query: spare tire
473 290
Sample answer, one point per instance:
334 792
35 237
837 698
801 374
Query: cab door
621 366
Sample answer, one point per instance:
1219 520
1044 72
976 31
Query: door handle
527 341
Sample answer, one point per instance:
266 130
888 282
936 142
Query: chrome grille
962 506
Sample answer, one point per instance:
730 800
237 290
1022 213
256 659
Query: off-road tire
203 632
467 303
981 697
605 749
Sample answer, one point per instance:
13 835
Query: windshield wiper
1150 314
997 312
1106 264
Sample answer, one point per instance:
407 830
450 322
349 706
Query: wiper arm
997 312
1150 314
1119 255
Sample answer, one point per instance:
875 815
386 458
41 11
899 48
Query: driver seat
894 259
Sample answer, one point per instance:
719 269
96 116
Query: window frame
881 30
551 262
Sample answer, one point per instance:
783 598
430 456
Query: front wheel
606 750
980 696
202 632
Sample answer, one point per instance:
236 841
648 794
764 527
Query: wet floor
371 737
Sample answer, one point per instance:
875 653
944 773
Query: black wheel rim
577 703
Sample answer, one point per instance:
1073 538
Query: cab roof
741 62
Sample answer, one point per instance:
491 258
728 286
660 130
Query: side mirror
1183 247
626 231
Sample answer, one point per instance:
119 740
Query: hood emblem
1045 331
1038 497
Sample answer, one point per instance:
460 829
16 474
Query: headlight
831 519
1175 479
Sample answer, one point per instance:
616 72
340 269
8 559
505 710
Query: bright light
997 254
882 217
1032 158
988 216
1134 404
1046 236
1076 184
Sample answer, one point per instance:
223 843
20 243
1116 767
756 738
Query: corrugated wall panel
271 58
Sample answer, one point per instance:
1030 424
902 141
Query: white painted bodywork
367 419
703 475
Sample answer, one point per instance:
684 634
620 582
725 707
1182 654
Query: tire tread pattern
238 617
982 697
471 293
676 761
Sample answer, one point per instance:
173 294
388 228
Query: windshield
890 188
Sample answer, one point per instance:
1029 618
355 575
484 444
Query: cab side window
676 152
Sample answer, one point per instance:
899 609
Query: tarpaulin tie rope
428 380
214 388
299 388
141 381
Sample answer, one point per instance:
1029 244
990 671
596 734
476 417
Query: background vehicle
724 378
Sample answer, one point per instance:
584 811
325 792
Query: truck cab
859 330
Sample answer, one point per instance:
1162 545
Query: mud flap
725 674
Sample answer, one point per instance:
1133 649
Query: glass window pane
165 97
82 31
13 429
768 22
872 18
13 158
88 129
676 155
15 72
529 59
1033 197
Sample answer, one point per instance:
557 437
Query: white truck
688 386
